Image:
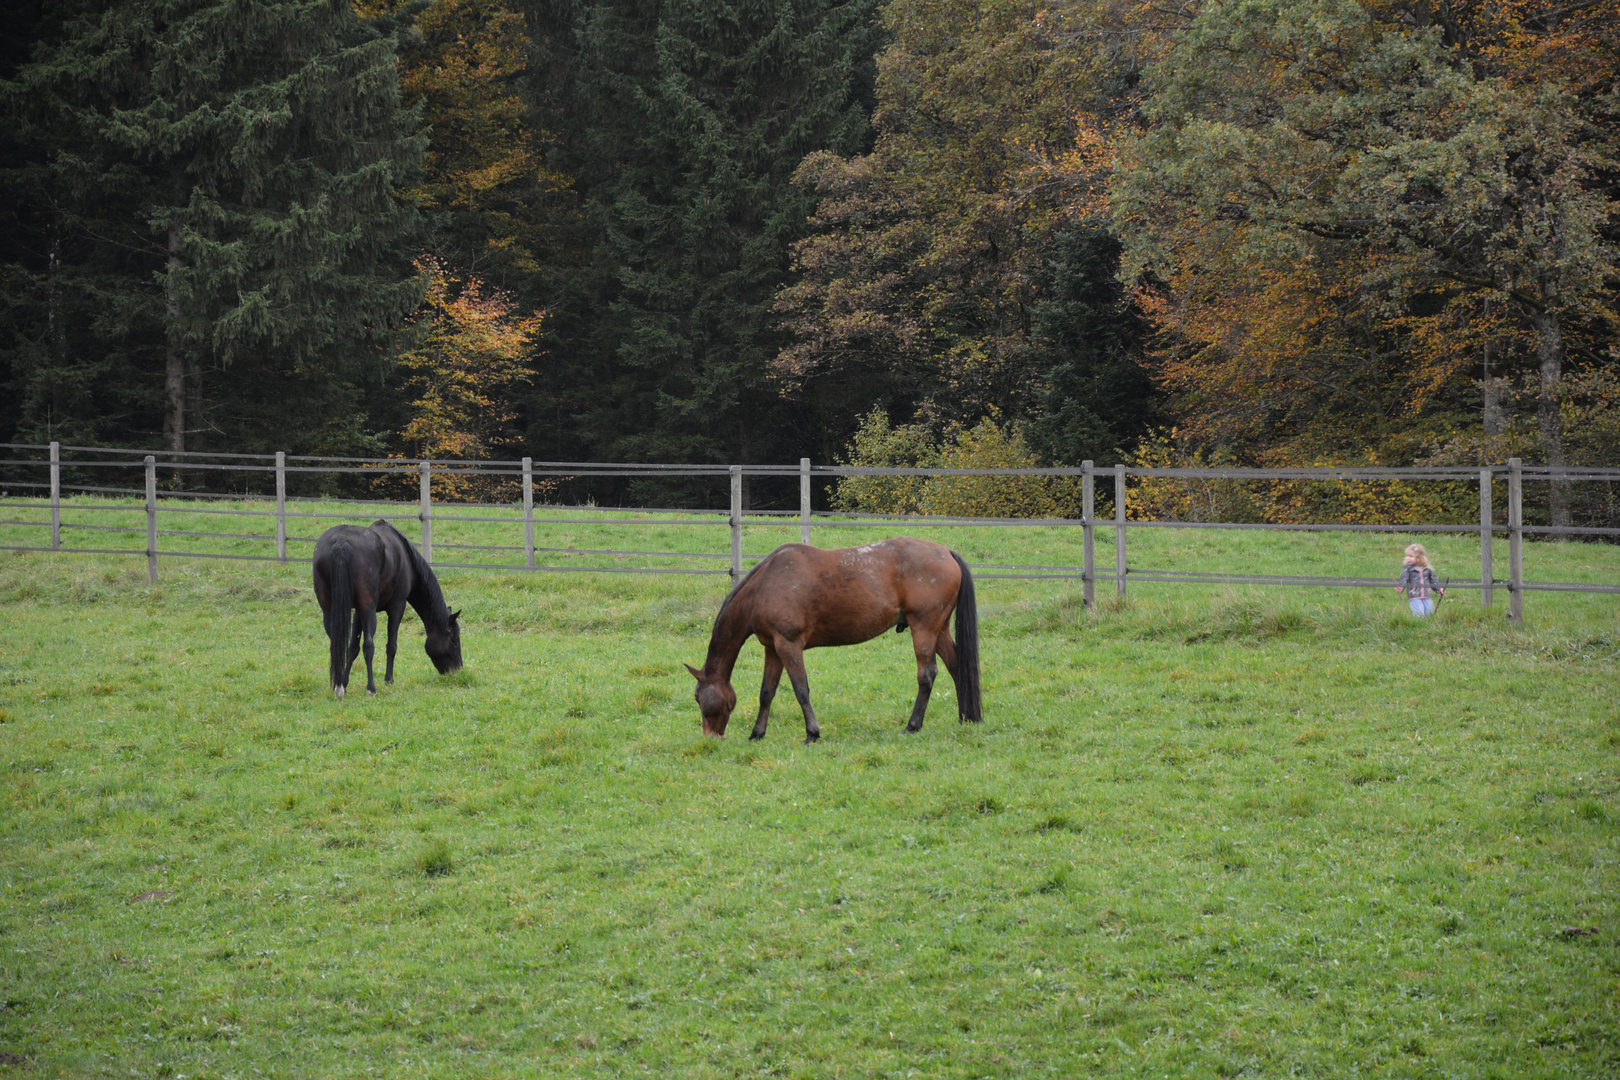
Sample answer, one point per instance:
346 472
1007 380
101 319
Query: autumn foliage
463 355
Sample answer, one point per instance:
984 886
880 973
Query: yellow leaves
464 352
985 446
484 164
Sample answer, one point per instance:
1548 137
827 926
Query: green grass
1211 832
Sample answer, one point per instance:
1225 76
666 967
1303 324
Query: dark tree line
210 211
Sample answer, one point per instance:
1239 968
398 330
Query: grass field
1211 832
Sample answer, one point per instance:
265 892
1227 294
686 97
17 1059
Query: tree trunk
1550 421
174 423
1494 419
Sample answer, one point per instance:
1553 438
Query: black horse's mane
424 575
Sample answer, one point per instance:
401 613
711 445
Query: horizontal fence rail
35 484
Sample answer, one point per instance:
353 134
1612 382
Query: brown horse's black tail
341 588
968 705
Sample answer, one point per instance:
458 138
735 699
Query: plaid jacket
1419 582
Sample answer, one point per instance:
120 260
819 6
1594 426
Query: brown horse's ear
696 674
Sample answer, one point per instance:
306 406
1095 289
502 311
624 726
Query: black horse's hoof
753 735
811 740
912 730
372 690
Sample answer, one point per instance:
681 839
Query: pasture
1212 831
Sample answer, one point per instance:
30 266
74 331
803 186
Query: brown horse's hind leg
947 656
923 644
767 691
793 659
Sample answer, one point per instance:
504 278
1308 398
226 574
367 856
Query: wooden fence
45 493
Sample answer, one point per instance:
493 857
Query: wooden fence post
1119 531
1486 573
425 501
56 496
1088 552
804 500
528 513
151 519
281 506
736 525
1515 542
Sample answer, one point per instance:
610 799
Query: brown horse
800 597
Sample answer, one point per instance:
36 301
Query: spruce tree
205 221
683 123
1097 398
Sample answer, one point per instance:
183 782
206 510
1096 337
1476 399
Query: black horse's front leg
767 692
395 616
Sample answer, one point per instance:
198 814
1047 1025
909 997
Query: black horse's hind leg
354 647
793 660
368 620
767 691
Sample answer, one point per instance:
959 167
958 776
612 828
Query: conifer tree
206 211
684 123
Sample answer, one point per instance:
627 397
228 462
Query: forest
990 232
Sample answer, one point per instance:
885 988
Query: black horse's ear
454 615
696 674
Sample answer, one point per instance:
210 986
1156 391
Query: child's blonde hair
1416 556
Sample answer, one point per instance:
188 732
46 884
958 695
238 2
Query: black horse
372 570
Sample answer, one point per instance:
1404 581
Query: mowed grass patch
1203 833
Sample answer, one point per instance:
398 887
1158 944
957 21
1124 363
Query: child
1418 582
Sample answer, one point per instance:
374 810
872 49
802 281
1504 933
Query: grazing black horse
372 570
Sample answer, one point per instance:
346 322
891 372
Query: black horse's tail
341 587
968 705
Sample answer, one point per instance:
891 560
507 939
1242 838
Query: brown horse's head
715 699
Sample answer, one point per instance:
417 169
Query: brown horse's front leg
793 660
767 691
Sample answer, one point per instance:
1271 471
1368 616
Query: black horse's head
444 645
715 699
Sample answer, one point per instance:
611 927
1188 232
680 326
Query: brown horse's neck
731 629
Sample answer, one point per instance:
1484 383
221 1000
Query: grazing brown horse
800 597
365 571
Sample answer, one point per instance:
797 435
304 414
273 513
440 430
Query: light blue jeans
1420 607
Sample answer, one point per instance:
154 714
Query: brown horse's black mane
738 587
